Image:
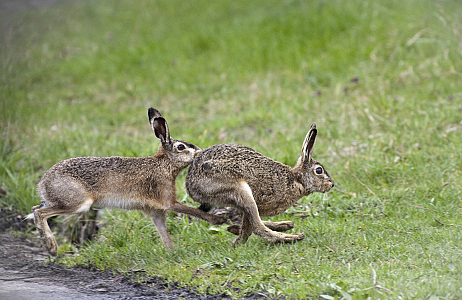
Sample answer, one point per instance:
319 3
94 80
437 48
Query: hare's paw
286 238
293 237
275 226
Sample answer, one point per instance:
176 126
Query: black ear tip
153 113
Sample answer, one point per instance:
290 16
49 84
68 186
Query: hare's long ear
153 113
308 144
160 128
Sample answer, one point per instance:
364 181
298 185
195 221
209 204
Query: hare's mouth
328 187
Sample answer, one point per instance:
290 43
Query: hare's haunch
238 176
142 183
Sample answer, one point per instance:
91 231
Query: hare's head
313 175
179 152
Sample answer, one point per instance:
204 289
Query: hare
238 176
142 183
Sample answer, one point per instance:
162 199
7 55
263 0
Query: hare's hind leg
158 217
247 204
47 238
59 197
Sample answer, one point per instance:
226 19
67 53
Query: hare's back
94 171
233 160
228 156
227 151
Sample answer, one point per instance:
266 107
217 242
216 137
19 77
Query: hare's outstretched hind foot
293 237
275 226
278 237
284 238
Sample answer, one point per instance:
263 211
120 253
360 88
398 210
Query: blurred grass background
381 79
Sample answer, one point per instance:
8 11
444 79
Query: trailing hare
143 183
235 175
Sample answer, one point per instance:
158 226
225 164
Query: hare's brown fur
235 175
141 183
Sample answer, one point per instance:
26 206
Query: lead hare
238 176
142 183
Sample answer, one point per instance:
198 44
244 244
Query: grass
78 77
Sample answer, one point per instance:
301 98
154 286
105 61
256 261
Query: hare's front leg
159 218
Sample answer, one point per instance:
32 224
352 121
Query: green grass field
381 79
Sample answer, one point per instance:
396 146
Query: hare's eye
181 147
318 170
